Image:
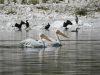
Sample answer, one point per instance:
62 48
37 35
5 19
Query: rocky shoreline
60 10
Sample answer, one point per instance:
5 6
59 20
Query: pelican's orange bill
44 37
58 32
62 34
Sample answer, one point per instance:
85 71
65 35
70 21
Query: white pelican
53 42
33 43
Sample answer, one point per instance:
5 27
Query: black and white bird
27 24
76 19
65 24
19 26
75 30
75 27
47 26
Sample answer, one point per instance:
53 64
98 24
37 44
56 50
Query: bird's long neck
20 24
76 19
58 39
76 30
42 42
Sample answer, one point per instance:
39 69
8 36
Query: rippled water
78 55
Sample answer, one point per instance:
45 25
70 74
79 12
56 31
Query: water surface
78 55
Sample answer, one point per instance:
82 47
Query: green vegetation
43 8
24 2
11 12
97 10
68 1
56 11
1 1
34 2
57 1
14 1
44 1
81 12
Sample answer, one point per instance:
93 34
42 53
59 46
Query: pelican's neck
42 42
58 38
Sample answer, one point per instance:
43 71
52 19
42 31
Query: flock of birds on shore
46 27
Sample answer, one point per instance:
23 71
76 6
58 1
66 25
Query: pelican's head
58 32
42 36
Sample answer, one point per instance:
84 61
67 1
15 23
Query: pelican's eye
57 31
42 35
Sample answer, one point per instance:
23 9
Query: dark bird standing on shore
19 26
47 26
76 19
27 24
65 24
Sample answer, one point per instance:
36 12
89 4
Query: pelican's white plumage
53 42
33 43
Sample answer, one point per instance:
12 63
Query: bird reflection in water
42 55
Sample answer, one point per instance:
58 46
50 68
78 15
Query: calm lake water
78 55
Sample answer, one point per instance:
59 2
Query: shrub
14 1
68 1
97 10
2 1
56 11
43 8
44 1
81 12
24 1
11 12
34 2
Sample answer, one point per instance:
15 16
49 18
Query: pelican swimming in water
33 43
54 43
